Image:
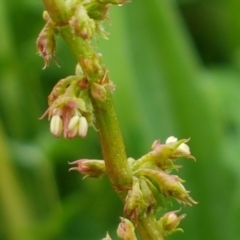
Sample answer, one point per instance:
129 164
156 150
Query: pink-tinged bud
169 185
73 126
107 237
98 92
92 66
83 127
81 24
148 195
169 222
56 125
134 203
126 230
46 43
90 168
163 155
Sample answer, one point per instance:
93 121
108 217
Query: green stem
108 128
112 146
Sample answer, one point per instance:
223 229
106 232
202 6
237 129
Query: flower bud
56 125
90 168
161 202
148 196
92 66
163 155
98 92
134 202
81 24
169 222
126 230
46 43
182 149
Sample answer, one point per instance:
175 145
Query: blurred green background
176 65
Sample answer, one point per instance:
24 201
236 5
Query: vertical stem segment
112 146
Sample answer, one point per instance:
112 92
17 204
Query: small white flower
182 148
56 125
83 127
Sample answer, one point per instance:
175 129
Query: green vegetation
176 67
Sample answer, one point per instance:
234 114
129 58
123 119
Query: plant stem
112 146
108 128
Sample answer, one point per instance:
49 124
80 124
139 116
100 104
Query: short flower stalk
83 100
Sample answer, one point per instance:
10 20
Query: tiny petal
83 127
56 125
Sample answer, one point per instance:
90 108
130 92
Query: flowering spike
126 230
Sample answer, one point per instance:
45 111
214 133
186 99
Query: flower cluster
70 103
153 183
70 109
